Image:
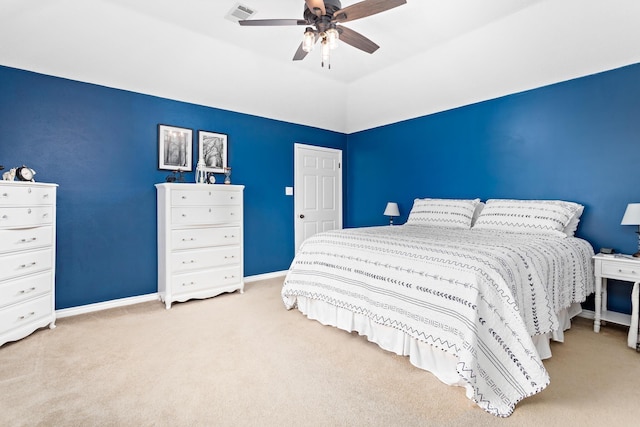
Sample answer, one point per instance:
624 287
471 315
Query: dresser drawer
204 237
26 194
25 216
625 270
18 290
19 264
210 279
15 316
206 215
25 238
204 258
206 198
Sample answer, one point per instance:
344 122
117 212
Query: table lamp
632 217
392 210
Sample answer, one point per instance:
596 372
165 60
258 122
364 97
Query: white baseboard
123 302
265 276
587 314
90 308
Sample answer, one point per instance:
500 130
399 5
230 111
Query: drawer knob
189 284
229 257
188 262
33 239
5 194
188 240
26 291
229 277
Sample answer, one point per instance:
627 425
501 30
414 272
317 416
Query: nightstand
623 268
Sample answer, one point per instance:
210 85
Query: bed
472 295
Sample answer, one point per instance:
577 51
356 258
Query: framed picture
175 147
212 150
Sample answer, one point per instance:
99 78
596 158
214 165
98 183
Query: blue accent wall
100 145
578 140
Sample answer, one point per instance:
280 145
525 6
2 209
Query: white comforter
475 294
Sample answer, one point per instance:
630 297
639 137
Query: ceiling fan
323 19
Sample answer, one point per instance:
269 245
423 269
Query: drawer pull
46 196
189 284
29 190
188 262
28 265
229 277
5 194
26 291
5 217
33 239
189 240
184 215
28 211
626 272
26 315
229 257
229 237
184 197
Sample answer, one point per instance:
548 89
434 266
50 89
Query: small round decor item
24 173
211 179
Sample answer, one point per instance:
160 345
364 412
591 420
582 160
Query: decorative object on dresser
227 175
9 175
27 258
627 269
200 241
632 217
212 150
174 148
391 210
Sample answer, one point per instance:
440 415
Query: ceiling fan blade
365 8
317 7
300 54
357 40
271 22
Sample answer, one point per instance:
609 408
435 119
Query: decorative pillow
452 213
549 217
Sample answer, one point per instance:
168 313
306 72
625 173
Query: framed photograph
212 150
175 145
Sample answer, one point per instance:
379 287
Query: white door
317 190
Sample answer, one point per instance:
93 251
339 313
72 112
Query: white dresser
200 240
27 258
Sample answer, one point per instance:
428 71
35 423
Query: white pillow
570 229
452 213
549 217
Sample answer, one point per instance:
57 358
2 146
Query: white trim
265 276
123 302
90 308
587 314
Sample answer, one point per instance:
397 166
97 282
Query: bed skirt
421 355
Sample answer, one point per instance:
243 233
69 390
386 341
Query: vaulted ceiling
434 54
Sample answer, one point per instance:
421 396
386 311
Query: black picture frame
213 150
175 148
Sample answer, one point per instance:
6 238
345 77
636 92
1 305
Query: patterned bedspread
479 295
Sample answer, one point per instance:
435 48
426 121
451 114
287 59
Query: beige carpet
243 360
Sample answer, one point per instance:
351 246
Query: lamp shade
631 215
392 209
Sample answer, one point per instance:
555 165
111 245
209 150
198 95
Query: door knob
301 216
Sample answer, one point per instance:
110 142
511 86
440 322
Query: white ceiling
434 55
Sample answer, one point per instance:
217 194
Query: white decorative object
27 258
627 269
200 241
201 174
9 175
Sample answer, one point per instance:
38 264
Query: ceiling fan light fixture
332 37
326 53
308 40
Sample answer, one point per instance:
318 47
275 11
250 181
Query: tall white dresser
27 258
200 240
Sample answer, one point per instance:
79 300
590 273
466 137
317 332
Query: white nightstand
620 268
